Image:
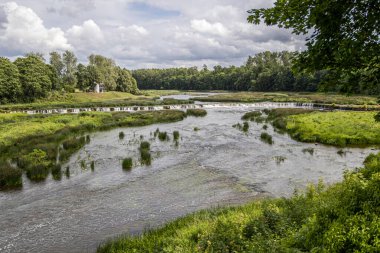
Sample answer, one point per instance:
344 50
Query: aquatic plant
121 135
163 136
83 164
196 129
88 139
67 172
145 145
251 115
146 158
308 150
267 138
175 135
56 172
265 127
92 165
196 112
127 163
245 127
279 159
10 177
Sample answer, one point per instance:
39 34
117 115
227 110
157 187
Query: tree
57 65
34 77
83 76
69 70
344 36
105 69
10 88
125 81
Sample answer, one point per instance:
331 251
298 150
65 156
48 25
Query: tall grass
196 112
267 138
127 163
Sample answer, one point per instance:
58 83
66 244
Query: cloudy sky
141 33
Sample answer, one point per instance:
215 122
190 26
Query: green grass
343 217
90 100
163 136
339 128
196 112
34 142
127 164
251 115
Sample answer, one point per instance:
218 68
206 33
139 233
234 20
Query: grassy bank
317 98
36 142
106 99
339 128
341 218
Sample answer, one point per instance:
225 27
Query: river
217 165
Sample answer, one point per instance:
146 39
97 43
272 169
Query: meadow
343 217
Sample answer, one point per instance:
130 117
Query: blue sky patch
152 11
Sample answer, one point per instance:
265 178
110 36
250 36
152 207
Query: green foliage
146 158
10 88
34 77
377 117
175 135
163 136
251 115
267 138
196 112
127 163
10 177
341 218
145 145
245 127
125 81
341 40
121 135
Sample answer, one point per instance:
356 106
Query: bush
127 164
267 138
196 112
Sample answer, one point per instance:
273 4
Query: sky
141 33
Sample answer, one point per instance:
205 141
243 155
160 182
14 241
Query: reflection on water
216 165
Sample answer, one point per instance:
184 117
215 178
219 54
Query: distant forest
29 78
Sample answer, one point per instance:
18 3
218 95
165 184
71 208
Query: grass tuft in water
308 150
145 145
196 129
176 135
121 135
245 127
251 115
127 163
10 177
267 138
92 166
163 136
67 172
56 172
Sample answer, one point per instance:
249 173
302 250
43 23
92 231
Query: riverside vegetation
38 144
343 217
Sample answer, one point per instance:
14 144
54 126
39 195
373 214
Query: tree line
29 78
267 71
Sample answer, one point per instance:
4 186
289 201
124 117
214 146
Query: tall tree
125 81
69 70
105 70
34 77
344 36
58 67
10 88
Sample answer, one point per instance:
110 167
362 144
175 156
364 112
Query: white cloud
88 33
24 31
203 26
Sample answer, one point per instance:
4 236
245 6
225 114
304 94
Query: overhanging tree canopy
343 36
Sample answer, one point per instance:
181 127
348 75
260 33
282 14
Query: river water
217 165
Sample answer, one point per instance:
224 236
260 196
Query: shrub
196 112
267 138
127 163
